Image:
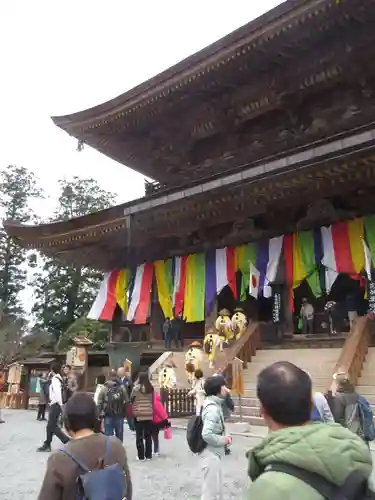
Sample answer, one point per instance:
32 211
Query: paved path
173 476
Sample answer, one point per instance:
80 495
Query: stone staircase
366 382
318 362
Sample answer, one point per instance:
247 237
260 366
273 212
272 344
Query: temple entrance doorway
346 293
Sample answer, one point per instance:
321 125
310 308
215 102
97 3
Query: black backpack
194 433
116 399
355 486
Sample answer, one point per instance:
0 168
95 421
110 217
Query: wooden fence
177 402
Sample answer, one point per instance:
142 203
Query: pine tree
17 187
65 292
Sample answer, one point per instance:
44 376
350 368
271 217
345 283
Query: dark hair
80 413
144 382
285 392
213 385
100 379
112 373
198 373
56 367
67 366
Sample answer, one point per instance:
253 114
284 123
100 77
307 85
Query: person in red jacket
160 421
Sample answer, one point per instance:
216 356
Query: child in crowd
197 390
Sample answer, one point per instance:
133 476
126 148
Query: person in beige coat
142 399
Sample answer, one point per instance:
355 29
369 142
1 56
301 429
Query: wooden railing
244 349
14 401
177 402
156 365
354 351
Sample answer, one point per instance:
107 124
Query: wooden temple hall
261 150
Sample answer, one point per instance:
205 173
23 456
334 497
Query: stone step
314 373
252 393
366 379
318 384
293 354
366 390
249 420
246 401
251 411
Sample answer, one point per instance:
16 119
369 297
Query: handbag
168 433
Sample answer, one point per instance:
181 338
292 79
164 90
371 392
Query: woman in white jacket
197 390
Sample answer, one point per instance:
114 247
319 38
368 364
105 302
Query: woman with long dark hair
142 399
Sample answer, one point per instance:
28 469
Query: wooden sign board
76 357
15 373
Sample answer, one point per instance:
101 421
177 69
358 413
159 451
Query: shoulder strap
326 489
75 459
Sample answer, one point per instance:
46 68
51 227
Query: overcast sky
58 57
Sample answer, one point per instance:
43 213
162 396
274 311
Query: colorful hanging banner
220 272
121 290
191 282
356 230
104 305
179 282
275 247
370 235
163 274
141 296
307 247
261 262
329 258
245 255
289 267
195 288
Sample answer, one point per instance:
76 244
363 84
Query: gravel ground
175 475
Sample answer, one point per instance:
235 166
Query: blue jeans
114 426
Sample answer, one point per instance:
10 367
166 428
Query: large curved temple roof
244 137
168 127
226 211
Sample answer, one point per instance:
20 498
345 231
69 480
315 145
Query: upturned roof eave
256 29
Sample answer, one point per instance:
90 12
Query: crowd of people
316 443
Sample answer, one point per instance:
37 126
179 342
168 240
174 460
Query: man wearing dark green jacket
329 450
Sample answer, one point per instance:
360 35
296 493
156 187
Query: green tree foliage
96 331
17 187
65 292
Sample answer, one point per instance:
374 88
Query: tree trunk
73 294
